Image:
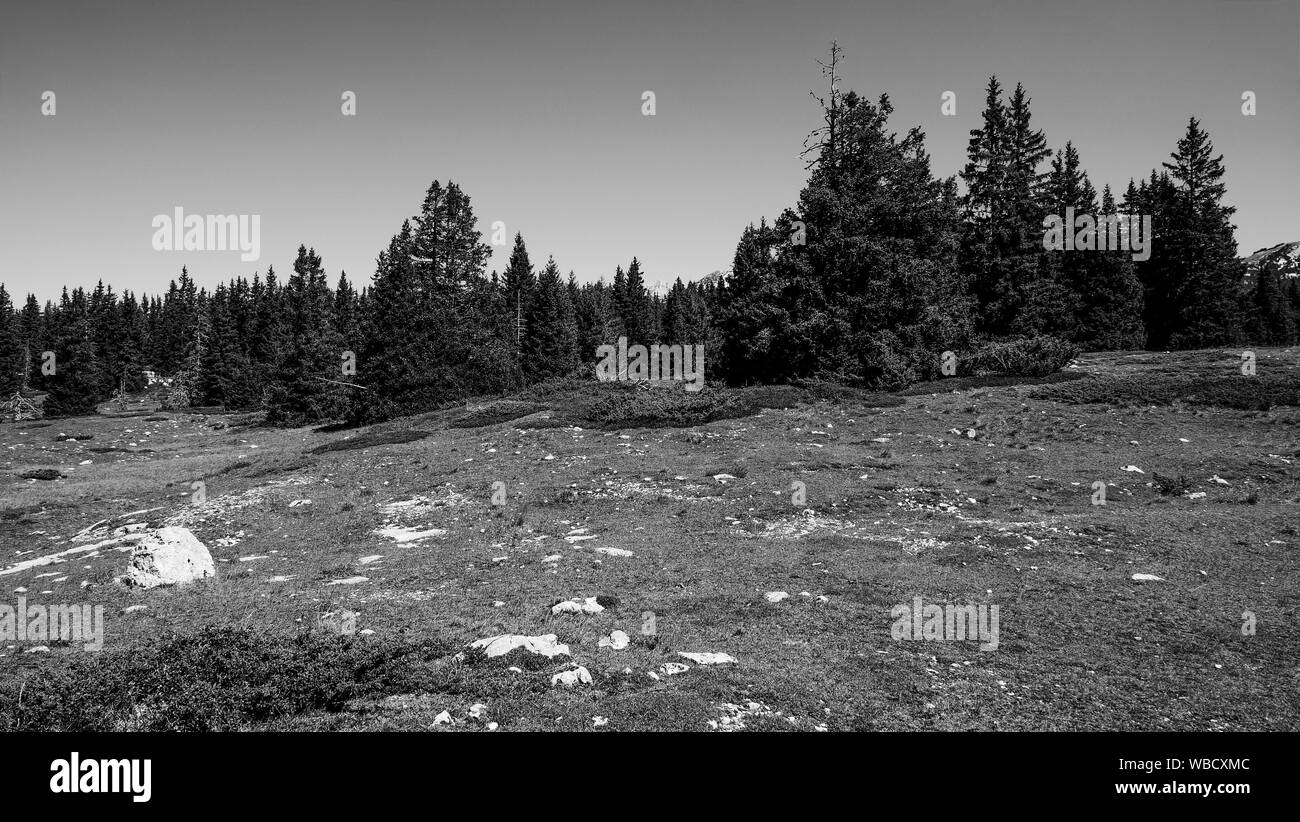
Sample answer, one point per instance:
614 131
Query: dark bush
217 679
1029 357
662 408
41 474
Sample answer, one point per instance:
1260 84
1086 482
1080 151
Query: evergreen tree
1110 297
1273 321
75 387
11 348
517 285
1001 246
637 312
306 389
1202 246
552 349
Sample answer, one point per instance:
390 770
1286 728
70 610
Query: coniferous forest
877 268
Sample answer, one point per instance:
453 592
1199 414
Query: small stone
570 678
616 641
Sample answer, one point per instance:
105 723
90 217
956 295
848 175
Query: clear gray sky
535 109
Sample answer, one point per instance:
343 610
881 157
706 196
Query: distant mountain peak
1283 258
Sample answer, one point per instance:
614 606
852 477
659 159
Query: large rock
544 645
169 556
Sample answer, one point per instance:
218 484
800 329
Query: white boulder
545 645
169 556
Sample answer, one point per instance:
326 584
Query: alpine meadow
984 419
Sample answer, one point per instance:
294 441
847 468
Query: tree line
877 268
430 328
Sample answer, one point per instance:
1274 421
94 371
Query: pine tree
346 318
552 349
1272 319
1110 296
75 387
1202 245
11 348
1001 251
306 389
636 312
225 369
517 286
393 363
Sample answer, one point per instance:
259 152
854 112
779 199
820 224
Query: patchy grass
494 413
1255 393
998 381
370 439
983 495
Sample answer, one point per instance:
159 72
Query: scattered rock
572 606
1147 578
348 581
776 596
399 533
443 718
671 668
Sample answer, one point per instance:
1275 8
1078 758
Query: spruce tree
517 285
637 317
1200 235
306 389
11 348
552 349
75 387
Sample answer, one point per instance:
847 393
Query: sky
535 110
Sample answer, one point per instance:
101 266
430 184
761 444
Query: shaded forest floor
979 495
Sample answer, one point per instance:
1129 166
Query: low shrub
661 408
1028 357
1239 392
216 679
